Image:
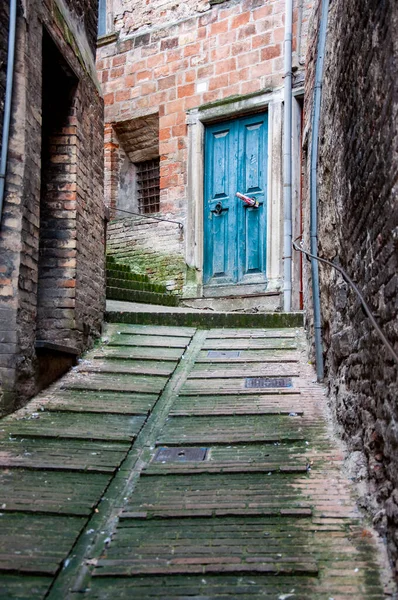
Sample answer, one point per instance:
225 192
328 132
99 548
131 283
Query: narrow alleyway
178 463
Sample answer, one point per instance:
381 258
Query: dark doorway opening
57 231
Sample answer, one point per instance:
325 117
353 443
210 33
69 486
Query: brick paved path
91 506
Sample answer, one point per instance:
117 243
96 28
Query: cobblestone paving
157 469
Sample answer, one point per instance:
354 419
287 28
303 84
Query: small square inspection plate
268 382
223 354
180 454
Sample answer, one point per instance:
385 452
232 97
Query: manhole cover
180 454
268 382
223 354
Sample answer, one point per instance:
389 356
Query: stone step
261 302
134 295
145 314
124 284
132 284
125 273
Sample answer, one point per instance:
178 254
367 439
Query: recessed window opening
148 192
137 173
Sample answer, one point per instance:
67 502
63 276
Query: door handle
247 200
218 209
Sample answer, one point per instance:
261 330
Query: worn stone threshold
147 314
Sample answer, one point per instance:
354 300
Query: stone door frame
197 119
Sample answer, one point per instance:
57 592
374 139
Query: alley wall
52 230
358 229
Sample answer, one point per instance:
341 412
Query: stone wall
358 228
85 12
52 231
130 17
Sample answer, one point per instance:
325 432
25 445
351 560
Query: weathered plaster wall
358 228
130 16
71 260
175 57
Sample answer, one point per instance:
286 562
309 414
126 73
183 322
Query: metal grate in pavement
180 454
268 382
223 354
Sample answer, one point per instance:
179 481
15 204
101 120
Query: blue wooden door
234 233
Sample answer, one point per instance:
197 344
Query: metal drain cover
268 382
223 354
180 454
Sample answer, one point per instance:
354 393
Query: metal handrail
180 225
350 282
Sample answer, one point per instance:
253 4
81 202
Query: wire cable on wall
350 282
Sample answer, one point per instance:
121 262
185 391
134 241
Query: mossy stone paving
253 370
206 545
265 513
264 356
230 333
217 404
50 491
70 455
159 495
150 341
59 455
101 402
36 544
234 385
24 588
119 328
213 528
115 382
116 365
89 426
121 351
208 429
250 344
227 586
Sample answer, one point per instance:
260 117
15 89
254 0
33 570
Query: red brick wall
233 49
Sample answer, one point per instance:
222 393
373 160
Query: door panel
220 163
220 214
251 141
253 137
234 233
220 240
253 246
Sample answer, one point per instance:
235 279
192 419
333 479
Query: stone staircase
176 462
123 284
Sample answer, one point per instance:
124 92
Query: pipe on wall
8 100
314 189
287 160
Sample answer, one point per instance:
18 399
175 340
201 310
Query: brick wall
358 218
172 57
153 248
52 226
